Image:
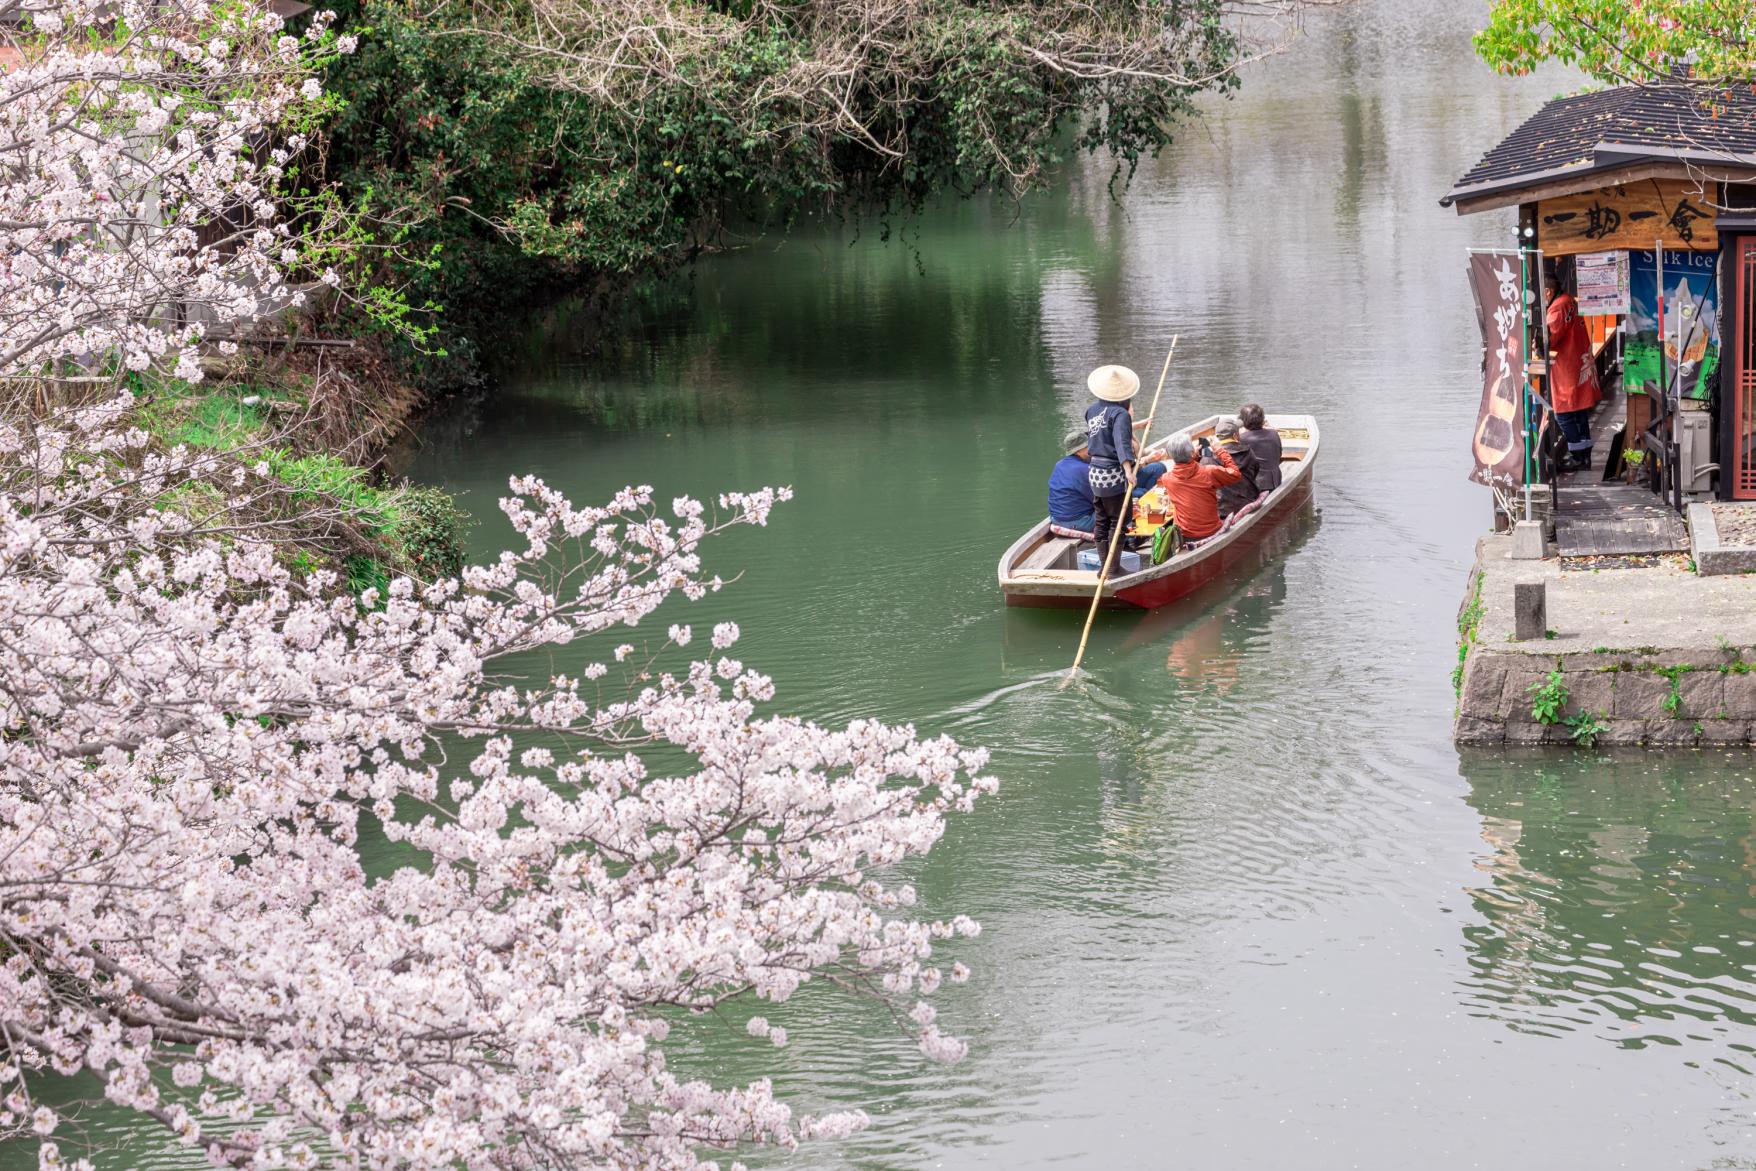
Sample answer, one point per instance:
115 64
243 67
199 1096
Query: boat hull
1250 547
1265 535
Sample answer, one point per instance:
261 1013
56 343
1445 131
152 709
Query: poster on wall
1602 279
1496 281
1689 342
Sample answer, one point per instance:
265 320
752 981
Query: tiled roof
1612 127
1694 118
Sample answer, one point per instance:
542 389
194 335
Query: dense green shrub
429 530
367 530
512 168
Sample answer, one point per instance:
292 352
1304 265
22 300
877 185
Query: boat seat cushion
1071 533
1232 520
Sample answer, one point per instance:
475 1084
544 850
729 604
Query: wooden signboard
1611 218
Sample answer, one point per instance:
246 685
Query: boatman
1572 376
1109 430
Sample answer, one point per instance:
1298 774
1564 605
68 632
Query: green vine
1469 621
1674 698
1586 726
1549 699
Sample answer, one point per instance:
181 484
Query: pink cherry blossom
140 213
586 861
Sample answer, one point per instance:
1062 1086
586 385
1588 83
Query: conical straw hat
1113 384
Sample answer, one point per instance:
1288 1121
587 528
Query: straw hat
1076 439
1113 384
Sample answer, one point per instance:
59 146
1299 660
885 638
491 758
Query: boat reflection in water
1616 900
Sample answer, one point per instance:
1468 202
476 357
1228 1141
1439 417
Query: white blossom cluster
194 742
145 196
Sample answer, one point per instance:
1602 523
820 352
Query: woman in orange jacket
1194 486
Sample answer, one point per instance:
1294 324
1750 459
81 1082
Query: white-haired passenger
1194 486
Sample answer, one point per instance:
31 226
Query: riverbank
320 416
1652 654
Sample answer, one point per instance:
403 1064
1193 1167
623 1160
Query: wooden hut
1654 185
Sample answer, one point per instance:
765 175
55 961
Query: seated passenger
1235 496
1262 441
1070 502
1194 486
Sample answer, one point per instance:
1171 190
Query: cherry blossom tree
149 180
199 750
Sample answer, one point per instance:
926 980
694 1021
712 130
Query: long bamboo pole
1126 518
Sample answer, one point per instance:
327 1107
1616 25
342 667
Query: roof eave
1624 153
1465 198
1609 167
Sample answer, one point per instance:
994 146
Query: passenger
1070 502
1572 376
1109 429
1193 486
1263 442
1070 491
1235 496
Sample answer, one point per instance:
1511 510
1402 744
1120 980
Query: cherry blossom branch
194 741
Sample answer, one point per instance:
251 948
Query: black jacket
1265 445
1234 496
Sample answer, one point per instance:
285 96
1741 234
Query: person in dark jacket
1263 442
1070 501
1236 495
1109 429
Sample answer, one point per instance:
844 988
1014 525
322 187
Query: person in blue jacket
1070 501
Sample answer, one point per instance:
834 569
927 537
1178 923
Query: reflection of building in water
1615 903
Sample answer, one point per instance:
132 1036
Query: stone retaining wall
1654 656
1630 697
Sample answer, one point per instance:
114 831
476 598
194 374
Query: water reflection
1616 899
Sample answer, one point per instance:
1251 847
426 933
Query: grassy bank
316 426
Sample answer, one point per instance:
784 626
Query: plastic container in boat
1127 561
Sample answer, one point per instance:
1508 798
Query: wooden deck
1594 518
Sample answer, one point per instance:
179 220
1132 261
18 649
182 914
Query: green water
1245 906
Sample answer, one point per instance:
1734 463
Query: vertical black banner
1499 437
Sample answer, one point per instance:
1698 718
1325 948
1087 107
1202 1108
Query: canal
1245 905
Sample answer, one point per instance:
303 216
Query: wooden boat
1039 569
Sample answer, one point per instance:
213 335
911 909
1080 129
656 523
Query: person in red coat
1572 376
1194 486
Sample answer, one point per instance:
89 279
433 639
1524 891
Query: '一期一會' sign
1672 210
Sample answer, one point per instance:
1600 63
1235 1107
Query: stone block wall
1659 698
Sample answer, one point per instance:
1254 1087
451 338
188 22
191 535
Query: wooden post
1530 610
